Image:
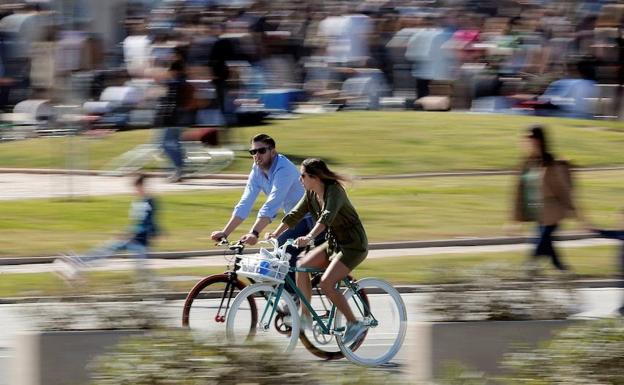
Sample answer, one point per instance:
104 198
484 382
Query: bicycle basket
263 267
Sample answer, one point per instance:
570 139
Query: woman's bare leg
316 258
334 273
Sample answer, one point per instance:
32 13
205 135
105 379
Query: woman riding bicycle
346 246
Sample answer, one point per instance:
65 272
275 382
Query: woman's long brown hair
317 168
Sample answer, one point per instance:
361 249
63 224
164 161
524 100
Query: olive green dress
346 238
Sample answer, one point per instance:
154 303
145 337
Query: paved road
15 186
14 319
50 183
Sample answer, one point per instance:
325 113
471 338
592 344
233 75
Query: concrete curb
459 242
404 289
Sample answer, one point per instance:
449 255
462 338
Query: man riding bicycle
277 177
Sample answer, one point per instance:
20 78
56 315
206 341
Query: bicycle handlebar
238 245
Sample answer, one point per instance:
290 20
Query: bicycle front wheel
207 305
277 323
386 324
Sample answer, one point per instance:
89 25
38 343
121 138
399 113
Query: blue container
281 99
264 267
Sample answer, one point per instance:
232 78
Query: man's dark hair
264 138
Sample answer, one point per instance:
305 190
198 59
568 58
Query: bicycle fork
272 301
228 292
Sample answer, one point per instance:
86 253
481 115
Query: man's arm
245 204
282 183
251 238
242 208
232 224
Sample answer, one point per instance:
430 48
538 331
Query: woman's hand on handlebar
303 241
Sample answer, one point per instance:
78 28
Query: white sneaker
354 331
305 322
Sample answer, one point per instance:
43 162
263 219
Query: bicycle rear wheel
201 159
387 324
132 160
322 345
207 305
264 295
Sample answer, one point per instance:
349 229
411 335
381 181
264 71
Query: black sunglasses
260 150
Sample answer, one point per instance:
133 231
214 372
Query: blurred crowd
248 58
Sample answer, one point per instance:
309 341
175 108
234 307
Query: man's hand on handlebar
217 236
249 239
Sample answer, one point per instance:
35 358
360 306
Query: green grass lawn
588 262
403 209
367 143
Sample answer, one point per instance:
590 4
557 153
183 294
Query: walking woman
543 193
346 243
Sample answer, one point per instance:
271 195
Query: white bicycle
383 312
198 159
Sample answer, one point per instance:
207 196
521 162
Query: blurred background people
543 193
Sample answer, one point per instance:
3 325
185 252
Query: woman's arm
292 218
309 238
298 212
277 232
335 198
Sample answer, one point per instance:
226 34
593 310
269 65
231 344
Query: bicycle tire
132 160
200 159
336 354
238 314
202 287
394 320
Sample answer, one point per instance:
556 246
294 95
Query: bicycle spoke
268 318
207 305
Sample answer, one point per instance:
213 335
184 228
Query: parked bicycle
209 302
198 159
386 326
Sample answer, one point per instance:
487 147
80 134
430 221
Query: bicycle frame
326 328
227 292
229 286
232 279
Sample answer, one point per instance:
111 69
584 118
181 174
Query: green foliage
89 314
589 353
178 357
481 296
458 374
